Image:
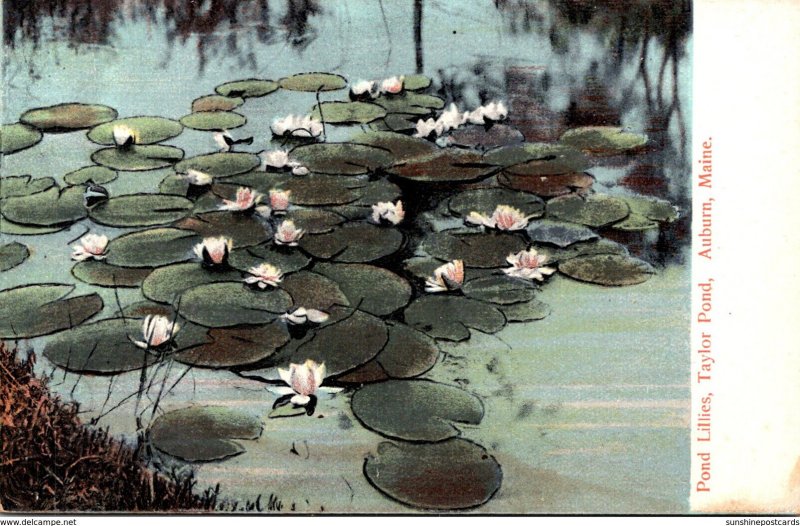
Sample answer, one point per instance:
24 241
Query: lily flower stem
321 117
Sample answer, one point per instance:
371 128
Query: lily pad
538 159
67 117
485 200
204 433
154 247
313 291
480 138
227 304
610 270
415 410
647 213
354 243
138 158
416 82
147 130
213 120
40 309
244 230
595 210
102 274
408 352
451 475
48 208
313 82
16 229
12 255
481 250
409 103
339 112
22 185
218 165
559 233
401 147
95 174
288 261
247 88
237 346
374 289
500 290
341 158
141 210
547 185
584 248
526 311
216 103
449 317
603 140
166 284
444 166
322 190
315 220
16 137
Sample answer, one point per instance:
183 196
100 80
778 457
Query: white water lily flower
274 159
92 247
214 250
449 276
387 211
124 135
264 275
527 264
301 315
288 234
157 330
196 177
299 170
304 381
492 112
450 119
223 140
297 126
504 217
279 200
392 85
264 211
363 87
424 128
246 198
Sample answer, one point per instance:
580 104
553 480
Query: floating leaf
247 88
223 164
547 185
288 261
216 103
102 274
315 220
526 311
213 120
22 185
154 247
341 158
647 213
16 137
416 82
396 122
559 233
12 255
313 291
147 130
237 346
595 210
500 290
354 243
141 210
166 284
227 304
374 289
321 190
138 158
339 112
408 352
443 166
40 309
586 248
47 208
481 250
410 103
402 147
67 117
449 317
95 174
603 140
313 82
538 159
611 270
485 200
243 229
203 433
16 229
480 138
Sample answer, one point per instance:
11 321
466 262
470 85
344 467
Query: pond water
586 410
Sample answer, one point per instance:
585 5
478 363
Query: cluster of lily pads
335 263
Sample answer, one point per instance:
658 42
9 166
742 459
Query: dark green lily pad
603 140
538 159
481 250
138 158
216 103
647 213
595 210
154 247
583 248
141 210
480 138
247 88
102 274
69 116
374 289
402 147
244 230
22 185
16 137
322 190
315 220
204 433
547 185
449 317
443 166
340 112
288 261
410 103
408 352
166 284
48 208
227 304
222 164
610 270
37 310
141 309
147 130
559 233
12 255
415 410
526 311
313 291
500 290
354 243
173 184
237 346
313 82
416 82
16 229
485 200
341 158
451 475
95 174
213 120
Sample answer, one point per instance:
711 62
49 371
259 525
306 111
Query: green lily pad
481 250
237 346
416 410
204 433
147 130
603 140
595 210
288 261
16 137
449 317
451 475
500 290
213 120
354 243
647 213
173 184
559 233
340 112
408 352
16 229
102 274
416 82
547 185
22 185
396 122
244 230
67 117
138 158
485 200
610 270
166 284
526 311
141 210
315 220
341 158
374 289
313 291
216 103
410 103
40 309
444 166
479 138
95 174
222 164
227 304
313 82
538 159
12 255
154 247
48 208
247 88
401 147
583 248
323 190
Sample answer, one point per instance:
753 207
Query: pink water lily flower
392 85
449 276
157 330
196 177
387 211
246 198
504 217
301 315
304 381
279 200
214 251
288 234
92 247
264 275
527 264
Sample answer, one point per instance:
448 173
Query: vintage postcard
381 257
